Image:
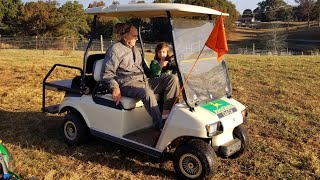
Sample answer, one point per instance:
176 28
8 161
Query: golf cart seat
127 102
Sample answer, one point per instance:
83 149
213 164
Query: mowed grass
281 93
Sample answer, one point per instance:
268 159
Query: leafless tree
115 2
275 40
307 7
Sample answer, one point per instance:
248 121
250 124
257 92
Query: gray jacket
124 66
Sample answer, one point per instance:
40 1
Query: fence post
73 43
253 50
101 41
43 38
36 42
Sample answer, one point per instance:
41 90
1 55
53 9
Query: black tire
240 133
195 159
74 129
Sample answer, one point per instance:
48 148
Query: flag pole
185 82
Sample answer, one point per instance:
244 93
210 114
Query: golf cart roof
143 10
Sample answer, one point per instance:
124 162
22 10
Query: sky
241 5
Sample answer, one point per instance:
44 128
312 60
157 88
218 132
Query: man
125 73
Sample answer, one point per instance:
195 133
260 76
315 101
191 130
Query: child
161 64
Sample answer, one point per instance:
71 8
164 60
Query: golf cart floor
148 136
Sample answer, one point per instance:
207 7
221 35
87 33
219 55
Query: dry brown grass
281 93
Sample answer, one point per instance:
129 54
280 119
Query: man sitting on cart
126 74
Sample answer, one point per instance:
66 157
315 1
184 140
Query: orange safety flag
217 40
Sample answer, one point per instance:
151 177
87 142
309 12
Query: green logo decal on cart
219 107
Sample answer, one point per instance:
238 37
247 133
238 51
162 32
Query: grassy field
281 93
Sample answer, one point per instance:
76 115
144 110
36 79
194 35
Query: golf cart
6 164
208 122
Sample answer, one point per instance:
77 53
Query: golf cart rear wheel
75 130
195 160
240 133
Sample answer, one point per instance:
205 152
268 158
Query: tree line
279 10
49 18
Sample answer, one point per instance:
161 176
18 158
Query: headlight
214 129
244 115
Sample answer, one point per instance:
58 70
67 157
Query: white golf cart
208 122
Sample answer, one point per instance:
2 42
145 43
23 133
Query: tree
39 18
220 5
307 8
247 13
105 24
115 3
317 9
259 14
284 13
275 40
271 10
297 13
9 10
98 4
74 20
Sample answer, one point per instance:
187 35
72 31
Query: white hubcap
70 130
190 165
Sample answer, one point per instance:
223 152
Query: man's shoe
159 125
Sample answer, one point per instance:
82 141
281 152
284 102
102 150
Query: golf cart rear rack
61 85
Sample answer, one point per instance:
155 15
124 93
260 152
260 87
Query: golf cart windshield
209 78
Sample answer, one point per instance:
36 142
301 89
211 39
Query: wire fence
47 43
72 44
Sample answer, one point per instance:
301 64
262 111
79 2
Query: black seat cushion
91 60
89 83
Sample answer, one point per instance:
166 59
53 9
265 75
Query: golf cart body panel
152 10
121 122
182 122
74 103
230 120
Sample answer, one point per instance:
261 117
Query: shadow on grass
41 131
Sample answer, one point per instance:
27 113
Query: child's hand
163 63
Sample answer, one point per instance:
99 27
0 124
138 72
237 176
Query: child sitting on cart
162 64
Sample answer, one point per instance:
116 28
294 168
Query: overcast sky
240 4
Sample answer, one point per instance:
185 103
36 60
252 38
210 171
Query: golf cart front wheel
75 130
240 133
195 160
